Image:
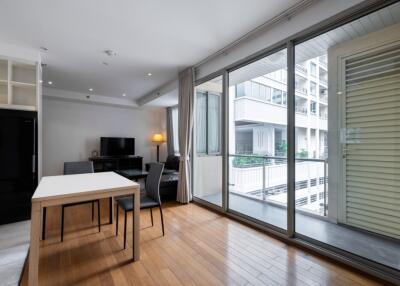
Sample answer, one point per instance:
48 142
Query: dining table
65 189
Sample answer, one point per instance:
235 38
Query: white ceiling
319 45
157 36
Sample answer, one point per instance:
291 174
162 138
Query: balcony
258 190
254 110
301 109
301 69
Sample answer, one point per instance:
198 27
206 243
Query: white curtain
175 128
170 132
186 90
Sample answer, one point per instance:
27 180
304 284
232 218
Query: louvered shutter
372 144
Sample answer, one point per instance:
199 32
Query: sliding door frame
290 235
223 141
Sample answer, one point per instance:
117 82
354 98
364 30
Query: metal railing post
324 187
263 170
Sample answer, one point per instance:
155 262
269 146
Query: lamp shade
158 138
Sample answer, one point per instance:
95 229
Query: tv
115 146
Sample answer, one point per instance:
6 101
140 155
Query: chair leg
44 224
151 215
92 211
62 223
116 218
125 231
162 220
98 213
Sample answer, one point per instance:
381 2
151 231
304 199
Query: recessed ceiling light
124 94
41 81
90 89
149 74
50 82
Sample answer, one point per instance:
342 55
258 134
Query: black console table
113 163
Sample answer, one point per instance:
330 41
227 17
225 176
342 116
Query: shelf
23 73
18 107
23 84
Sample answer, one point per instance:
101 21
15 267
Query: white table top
71 185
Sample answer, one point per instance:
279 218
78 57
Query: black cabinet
18 164
111 163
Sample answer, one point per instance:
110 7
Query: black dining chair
72 168
149 201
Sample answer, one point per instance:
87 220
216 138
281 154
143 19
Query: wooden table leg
34 245
136 225
111 208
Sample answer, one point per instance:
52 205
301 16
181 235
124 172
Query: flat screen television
115 146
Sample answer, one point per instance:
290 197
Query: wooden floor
200 248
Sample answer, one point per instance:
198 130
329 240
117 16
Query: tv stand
116 163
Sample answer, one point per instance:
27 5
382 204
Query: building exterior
260 106
259 123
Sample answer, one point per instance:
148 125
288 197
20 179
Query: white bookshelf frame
19 84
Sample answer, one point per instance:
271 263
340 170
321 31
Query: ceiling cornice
158 92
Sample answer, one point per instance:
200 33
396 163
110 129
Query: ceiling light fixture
41 81
149 74
90 89
124 94
50 82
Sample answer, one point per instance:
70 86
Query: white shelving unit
19 84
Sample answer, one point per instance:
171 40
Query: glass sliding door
257 140
348 137
207 153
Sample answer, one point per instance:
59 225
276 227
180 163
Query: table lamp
158 138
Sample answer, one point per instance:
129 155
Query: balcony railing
301 69
301 109
323 98
301 90
323 116
265 178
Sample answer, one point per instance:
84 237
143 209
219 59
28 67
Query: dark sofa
169 182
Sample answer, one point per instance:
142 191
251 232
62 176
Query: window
255 90
313 69
175 128
214 123
313 107
276 96
201 122
313 88
240 90
284 94
208 122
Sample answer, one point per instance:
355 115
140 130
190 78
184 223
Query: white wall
72 130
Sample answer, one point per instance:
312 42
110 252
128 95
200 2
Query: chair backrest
153 181
172 162
71 168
